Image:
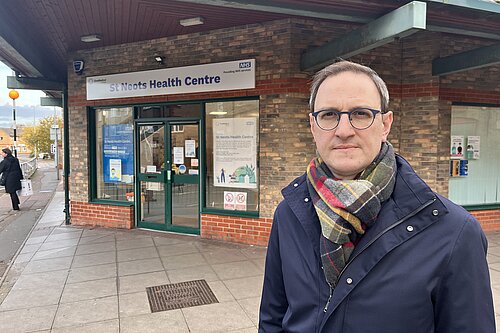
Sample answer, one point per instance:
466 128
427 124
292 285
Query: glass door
168 181
150 188
185 184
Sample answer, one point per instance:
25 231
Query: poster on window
178 155
457 147
115 170
118 153
235 152
190 146
473 147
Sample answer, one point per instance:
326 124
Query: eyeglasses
359 118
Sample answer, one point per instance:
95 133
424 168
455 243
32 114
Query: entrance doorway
168 181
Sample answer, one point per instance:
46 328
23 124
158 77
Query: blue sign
118 152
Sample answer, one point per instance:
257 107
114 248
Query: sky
28 109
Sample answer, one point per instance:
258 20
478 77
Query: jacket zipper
329 299
415 212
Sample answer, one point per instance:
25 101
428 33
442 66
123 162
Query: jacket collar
410 193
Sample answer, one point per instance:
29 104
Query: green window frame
243 114
110 188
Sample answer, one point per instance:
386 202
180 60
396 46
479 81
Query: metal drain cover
180 295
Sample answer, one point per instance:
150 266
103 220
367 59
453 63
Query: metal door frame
165 177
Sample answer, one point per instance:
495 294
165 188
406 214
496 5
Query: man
360 243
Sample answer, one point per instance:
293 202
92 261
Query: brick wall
282 89
489 219
236 229
84 213
421 103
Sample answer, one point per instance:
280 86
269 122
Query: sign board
235 200
53 132
231 75
52 148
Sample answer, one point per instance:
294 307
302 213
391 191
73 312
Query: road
16 225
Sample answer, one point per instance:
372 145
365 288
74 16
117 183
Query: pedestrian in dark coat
12 173
360 243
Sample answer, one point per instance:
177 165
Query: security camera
78 66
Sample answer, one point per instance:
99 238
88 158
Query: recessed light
90 38
192 21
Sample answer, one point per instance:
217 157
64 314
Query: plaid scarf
347 207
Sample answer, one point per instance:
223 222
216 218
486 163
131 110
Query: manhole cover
180 295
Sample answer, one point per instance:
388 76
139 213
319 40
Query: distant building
7 140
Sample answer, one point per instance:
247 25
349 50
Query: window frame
475 207
92 141
204 209
219 211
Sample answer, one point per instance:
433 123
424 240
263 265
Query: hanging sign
220 76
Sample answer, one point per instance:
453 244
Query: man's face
345 150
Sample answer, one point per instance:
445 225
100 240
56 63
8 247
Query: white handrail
29 167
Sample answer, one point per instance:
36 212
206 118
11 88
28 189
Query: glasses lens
327 119
362 118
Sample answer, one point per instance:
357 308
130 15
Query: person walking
11 176
360 242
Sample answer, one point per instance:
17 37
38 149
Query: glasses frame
349 114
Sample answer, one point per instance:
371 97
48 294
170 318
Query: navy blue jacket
420 268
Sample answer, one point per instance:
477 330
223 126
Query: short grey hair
348 66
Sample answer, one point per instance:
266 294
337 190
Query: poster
459 168
115 170
235 152
118 153
457 147
190 146
235 200
178 155
473 147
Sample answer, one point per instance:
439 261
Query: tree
39 136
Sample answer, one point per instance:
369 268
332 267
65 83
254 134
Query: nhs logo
245 64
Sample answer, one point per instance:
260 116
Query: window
114 153
477 129
232 145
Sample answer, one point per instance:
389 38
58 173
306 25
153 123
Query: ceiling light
90 38
217 113
191 21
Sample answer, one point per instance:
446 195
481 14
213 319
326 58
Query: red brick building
202 139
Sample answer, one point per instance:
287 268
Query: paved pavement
75 279
16 225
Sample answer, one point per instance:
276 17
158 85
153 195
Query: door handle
168 174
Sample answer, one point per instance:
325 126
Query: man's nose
344 128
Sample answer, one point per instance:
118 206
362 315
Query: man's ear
387 119
312 125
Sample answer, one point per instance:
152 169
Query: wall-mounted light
90 38
191 21
159 59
